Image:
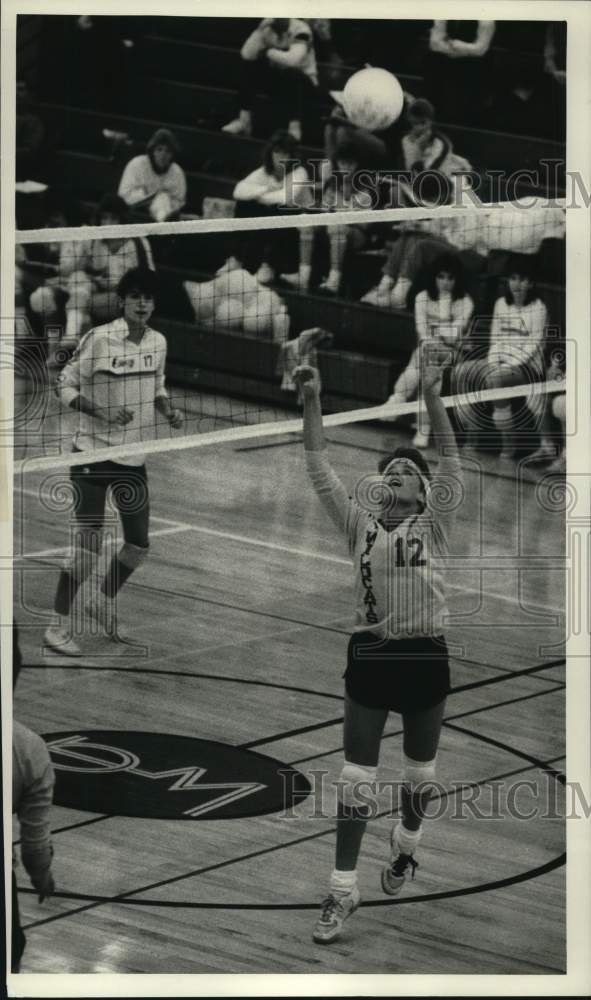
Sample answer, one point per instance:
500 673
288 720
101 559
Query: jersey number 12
415 557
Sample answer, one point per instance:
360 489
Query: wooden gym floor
244 609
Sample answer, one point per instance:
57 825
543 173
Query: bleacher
184 76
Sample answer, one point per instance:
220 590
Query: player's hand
175 419
44 884
307 379
119 416
434 357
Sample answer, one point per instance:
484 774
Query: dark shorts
129 491
403 675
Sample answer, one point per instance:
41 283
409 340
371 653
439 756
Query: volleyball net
239 303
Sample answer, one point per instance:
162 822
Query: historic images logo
158 776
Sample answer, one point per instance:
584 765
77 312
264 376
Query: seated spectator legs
340 239
301 279
45 303
291 91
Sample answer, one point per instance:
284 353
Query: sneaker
59 639
296 281
330 284
335 910
237 127
394 874
421 440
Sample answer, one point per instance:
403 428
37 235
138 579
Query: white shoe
237 127
295 281
331 284
399 293
421 440
335 910
59 639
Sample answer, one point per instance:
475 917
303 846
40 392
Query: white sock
406 840
334 277
343 882
304 272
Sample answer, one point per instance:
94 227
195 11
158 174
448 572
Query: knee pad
132 556
417 772
350 777
43 301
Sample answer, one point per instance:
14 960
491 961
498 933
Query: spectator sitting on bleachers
483 245
457 69
515 353
87 275
281 178
442 311
340 193
279 59
154 181
552 413
281 183
424 148
235 301
30 134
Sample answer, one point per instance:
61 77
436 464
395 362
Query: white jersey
399 575
112 371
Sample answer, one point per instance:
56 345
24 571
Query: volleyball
373 99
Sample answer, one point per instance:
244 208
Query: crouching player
115 380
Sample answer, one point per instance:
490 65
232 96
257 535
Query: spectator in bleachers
278 59
153 181
552 415
30 135
341 192
443 311
457 69
281 178
424 148
515 353
87 274
281 183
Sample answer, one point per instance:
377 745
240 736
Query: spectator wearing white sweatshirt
277 58
154 180
515 354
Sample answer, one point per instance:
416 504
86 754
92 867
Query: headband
403 460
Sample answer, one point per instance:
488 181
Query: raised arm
331 491
432 355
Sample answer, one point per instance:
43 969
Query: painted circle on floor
164 776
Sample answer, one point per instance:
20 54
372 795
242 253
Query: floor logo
153 775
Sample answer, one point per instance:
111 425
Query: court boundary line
124 898
335 560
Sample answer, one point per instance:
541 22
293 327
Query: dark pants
129 490
18 936
291 91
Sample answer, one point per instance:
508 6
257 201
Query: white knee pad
42 301
417 772
502 415
132 556
355 776
559 408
